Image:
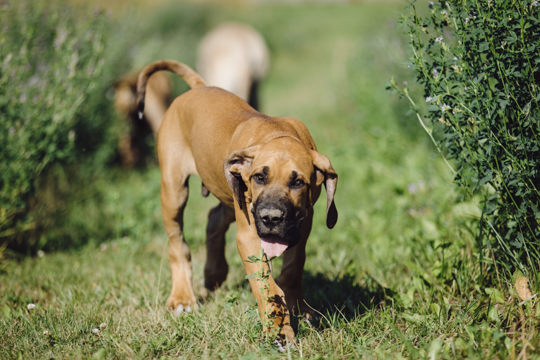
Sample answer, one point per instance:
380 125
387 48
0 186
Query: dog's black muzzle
277 217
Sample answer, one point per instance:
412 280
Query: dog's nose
271 216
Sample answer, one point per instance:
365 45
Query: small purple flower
430 5
435 73
429 99
535 3
439 40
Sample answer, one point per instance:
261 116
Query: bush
478 62
53 80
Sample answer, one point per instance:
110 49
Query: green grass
399 275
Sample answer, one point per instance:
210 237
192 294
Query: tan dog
265 171
234 57
158 98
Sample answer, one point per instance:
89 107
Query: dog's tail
185 72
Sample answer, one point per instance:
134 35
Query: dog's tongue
273 247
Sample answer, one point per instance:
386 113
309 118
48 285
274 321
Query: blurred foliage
479 64
54 76
59 131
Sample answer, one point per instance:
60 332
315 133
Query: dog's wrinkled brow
265 170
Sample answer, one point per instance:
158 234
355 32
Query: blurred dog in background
234 57
131 144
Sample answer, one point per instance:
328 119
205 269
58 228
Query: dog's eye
259 178
298 183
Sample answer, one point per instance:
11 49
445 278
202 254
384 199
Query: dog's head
279 181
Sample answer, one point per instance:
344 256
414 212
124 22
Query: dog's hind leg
175 171
216 268
173 202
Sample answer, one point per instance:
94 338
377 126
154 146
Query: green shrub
53 80
478 62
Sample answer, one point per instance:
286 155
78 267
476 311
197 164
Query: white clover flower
102 326
445 107
46 332
95 331
30 306
40 253
103 247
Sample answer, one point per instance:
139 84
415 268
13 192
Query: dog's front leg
290 279
271 300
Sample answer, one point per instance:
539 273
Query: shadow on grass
344 296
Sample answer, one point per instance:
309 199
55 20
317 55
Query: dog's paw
282 346
181 309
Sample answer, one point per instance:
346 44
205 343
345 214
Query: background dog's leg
276 309
216 268
174 195
290 278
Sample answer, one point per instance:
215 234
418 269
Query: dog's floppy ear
236 167
325 172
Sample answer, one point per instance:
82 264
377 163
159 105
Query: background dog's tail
185 72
